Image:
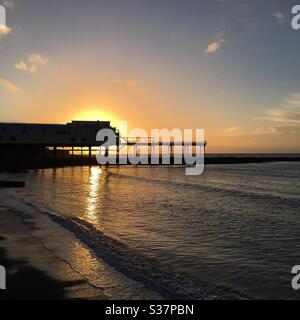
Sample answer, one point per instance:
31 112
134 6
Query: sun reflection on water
94 189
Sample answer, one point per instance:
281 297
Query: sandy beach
33 271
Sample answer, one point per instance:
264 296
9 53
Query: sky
227 66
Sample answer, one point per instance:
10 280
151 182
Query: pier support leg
118 155
107 155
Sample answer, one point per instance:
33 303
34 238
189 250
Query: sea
155 233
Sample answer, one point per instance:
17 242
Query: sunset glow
96 114
149 154
232 74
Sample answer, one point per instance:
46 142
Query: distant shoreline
240 159
253 155
210 159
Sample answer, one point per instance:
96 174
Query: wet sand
33 272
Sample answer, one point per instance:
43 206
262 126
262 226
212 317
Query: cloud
264 131
4 31
233 131
33 63
21 66
284 116
279 16
125 82
38 59
8 3
288 113
130 84
10 87
241 131
214 46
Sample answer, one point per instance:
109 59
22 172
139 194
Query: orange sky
142 65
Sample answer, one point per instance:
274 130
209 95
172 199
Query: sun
95 114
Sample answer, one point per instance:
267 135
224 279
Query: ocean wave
165 281
250 194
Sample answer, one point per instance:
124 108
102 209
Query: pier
24 145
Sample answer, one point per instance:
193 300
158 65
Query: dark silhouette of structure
43 145
34 146
28 146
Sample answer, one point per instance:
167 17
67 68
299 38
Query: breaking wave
136 266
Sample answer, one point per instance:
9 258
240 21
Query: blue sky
228 66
